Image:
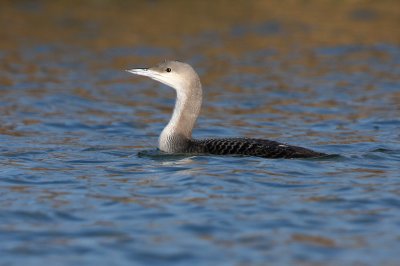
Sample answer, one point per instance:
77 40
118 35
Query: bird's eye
168 70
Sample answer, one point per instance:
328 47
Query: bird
176 137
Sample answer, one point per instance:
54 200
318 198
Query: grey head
176 136
178 75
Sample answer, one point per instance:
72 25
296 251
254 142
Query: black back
252 147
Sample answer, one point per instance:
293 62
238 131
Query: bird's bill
140 71
147 72
153 74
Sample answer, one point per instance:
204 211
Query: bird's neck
176 134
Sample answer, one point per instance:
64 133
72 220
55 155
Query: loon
176 137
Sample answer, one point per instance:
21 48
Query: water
81 181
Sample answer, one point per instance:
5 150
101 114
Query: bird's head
178 75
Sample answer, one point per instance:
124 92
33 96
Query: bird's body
248 146
177 135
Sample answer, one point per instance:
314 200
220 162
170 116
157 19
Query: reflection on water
82 180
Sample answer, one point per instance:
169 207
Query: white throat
187 108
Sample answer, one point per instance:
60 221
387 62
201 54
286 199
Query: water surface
81 181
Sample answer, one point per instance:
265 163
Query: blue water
81 181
